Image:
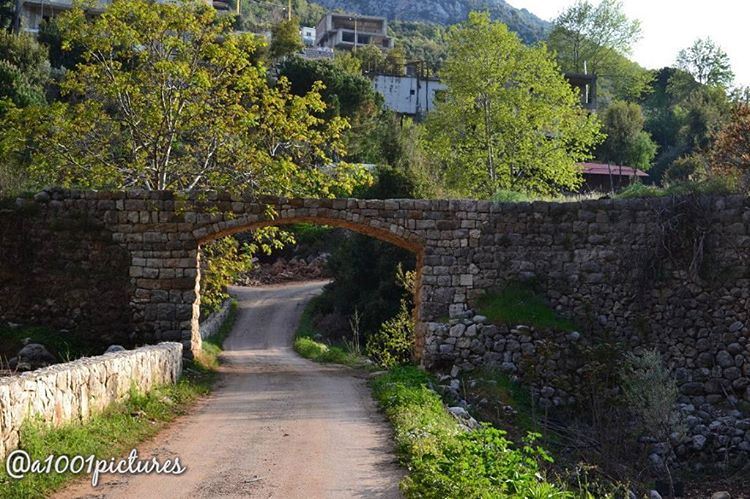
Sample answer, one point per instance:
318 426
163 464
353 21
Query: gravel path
276 425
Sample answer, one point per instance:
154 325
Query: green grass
445 461
308 347
518 304
121 426
717 185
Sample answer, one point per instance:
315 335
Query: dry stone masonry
77 390
670 273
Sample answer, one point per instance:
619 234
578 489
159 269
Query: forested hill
529 27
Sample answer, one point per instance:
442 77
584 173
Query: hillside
529 27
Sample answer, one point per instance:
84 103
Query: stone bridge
126 264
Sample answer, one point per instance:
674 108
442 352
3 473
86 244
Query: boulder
35 356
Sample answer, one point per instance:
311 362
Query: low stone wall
213 323
77 390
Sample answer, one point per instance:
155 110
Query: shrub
446 461
508 196
222 261
392 344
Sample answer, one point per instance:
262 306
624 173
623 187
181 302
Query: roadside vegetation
64 346
120 427
443 459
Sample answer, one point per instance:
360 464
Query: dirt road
275 426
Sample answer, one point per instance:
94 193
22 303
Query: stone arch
372 227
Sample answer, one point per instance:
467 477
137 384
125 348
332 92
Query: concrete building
308 35
408 95
31 13
348 31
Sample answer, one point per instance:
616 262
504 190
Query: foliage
444 460
106 435
371 58
626 143
596 39
519 304
7 13
508 196
651 393
691 167
24 70
509 119
285 39
168 98
393 343
710 185
222 261
421 41
395 61
344 94
730 155
707 62
306 344
261 16
65 346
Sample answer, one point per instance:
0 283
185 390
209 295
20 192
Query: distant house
308 35
349 31
600 177
408 95
31 13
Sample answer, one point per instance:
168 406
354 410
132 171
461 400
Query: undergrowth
446 461
306 344
519 304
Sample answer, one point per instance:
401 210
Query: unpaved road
276 425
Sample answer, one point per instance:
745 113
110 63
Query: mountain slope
529 27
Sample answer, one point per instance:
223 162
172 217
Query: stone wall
669 272
213 322
76 390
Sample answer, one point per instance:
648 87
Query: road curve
276 425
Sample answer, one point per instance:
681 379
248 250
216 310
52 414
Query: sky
671 25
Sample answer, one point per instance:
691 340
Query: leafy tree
707 62
348 62
285 39
344 93
421 41
371 58
395 61
597 39
687 168
730 155
509 119
168 98
627 143
24 70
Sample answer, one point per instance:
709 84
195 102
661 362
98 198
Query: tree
509 120
597 39
371 58
730 155
24 70
707 62
285 39
627 144
395 61
7 14
168 98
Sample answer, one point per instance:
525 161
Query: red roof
614 170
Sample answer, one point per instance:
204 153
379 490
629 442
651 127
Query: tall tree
371 57
168 98
627 144
395 61
597 39
7 14
730 155
707 62
509 120
285 39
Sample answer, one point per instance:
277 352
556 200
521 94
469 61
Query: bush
222 261
393 343
508 196
446 461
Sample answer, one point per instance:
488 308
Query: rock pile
282 270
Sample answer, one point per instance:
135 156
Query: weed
518 304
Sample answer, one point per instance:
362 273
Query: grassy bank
445 461
308 347
118 429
